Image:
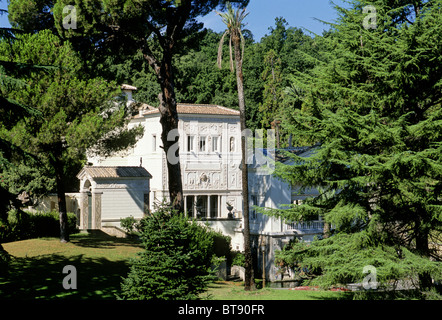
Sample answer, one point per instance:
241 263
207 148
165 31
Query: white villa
132 182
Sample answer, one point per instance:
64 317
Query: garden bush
129 224
175 264
22 225
238 258
222 246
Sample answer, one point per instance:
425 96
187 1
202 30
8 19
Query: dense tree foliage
373 108
108 53
10 113
75 113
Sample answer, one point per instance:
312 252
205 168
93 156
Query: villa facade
210 158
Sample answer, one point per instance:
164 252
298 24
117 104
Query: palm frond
234 22
231 54
243 44
220 49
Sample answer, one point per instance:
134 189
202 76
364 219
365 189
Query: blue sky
298 13
262 14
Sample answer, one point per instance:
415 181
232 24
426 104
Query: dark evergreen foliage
374 108
175 264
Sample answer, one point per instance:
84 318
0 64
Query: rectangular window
190 144
253 202
202 144
214 206
190 203
215 144
201 206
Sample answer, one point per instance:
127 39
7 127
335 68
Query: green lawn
222 290
36 270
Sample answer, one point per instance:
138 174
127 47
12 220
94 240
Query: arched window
87 186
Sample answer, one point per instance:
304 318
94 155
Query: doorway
89 210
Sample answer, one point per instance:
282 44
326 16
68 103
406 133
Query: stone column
83 210
96 210
208 207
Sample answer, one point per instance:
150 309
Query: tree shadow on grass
42 278
343 296
102 241
377 295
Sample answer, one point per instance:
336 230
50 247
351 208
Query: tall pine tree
374 111
75 113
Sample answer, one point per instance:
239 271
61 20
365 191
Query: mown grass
222 290
36 272
36 268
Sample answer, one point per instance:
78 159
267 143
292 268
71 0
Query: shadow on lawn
102 240
377 295
42 277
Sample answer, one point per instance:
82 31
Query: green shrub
238 259
22 225
129 224
17 226
222 246
175 264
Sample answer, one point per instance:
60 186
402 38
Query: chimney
127 91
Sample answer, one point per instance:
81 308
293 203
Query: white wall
121 198
222 167
270 192
117 204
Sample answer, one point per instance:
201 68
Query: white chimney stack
127 90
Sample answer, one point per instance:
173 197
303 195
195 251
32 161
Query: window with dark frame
190 143
202 144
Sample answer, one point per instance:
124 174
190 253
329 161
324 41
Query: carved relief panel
210 180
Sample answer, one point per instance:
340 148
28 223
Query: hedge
22 225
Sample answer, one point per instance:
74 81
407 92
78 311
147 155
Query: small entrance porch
108 194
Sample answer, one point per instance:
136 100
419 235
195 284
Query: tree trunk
169 122
4 207
424 251
249 283
326 230
169 135
4 261
61 195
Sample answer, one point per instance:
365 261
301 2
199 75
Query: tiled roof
187 108
116 172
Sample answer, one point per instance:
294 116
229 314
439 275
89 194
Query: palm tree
234 22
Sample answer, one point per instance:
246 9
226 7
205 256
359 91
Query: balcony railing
305 226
